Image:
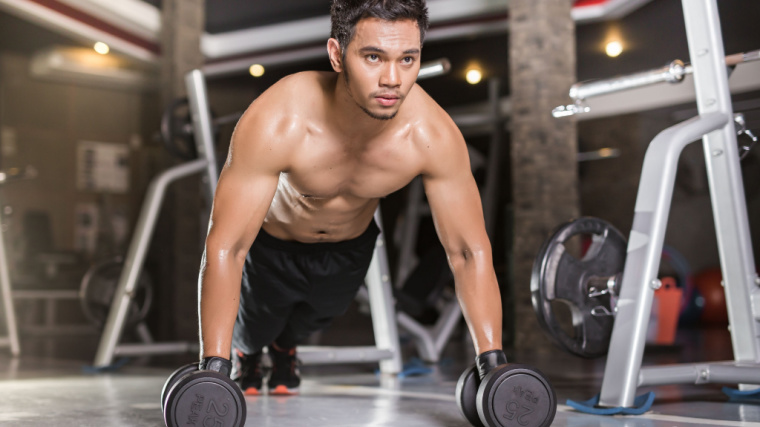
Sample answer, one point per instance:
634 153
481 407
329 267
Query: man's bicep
245 190
453 193
457 212
241 202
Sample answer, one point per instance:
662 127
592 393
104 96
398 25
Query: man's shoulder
431 121
284 101
437 138
302 84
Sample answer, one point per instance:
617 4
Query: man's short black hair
345 14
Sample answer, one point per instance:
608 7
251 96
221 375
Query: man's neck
349 118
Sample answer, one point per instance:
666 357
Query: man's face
381 65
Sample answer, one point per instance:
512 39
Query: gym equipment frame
715 126
9 295
11 340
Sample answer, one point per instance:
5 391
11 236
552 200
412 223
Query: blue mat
641 404
733 393
110 368
415 367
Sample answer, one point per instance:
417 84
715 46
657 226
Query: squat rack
715 126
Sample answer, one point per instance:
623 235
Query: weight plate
516 395
174 377
467 393
99 285
205 398
177 140
177 129
560 276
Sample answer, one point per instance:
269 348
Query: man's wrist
489 360
216 364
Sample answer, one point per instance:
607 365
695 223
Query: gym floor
55 391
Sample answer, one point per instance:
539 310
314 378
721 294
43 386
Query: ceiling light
102 48
613 48
473 76
256 70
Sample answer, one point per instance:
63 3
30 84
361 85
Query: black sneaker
246 371
285 377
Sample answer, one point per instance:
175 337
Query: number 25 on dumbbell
510 395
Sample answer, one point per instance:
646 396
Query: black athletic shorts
291 289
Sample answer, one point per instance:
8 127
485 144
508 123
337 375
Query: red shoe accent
252 392
281 390
290 351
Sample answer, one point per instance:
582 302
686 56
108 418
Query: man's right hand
489 360
216 364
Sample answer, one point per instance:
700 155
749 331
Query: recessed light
101 48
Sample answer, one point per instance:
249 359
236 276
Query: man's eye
372 58
407 60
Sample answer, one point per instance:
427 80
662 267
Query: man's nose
390 76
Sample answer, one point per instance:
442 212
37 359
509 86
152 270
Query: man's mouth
387 100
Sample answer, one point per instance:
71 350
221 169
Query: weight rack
715 126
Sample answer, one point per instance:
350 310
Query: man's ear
336 57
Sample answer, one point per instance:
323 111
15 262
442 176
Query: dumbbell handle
216 364
489 360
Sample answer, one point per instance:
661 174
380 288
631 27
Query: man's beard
366 111
378 116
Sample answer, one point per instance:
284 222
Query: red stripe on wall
96 23
583 3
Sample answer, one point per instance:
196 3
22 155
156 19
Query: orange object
668 306
715 312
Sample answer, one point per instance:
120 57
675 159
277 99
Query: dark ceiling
655 35
229 15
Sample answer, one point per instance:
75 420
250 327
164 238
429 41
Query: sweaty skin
311 157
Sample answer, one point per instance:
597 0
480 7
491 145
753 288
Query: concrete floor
52 391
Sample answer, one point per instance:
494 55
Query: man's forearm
478 293
219 298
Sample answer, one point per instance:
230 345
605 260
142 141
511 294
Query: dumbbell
203 394
510 394
174 377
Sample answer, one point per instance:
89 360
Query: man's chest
330 171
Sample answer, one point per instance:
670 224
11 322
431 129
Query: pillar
543 149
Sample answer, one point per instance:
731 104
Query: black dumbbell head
174 377
205 398
516 395
467 392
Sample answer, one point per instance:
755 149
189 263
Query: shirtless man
293 212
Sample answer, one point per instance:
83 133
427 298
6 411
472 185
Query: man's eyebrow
375 49
371 49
